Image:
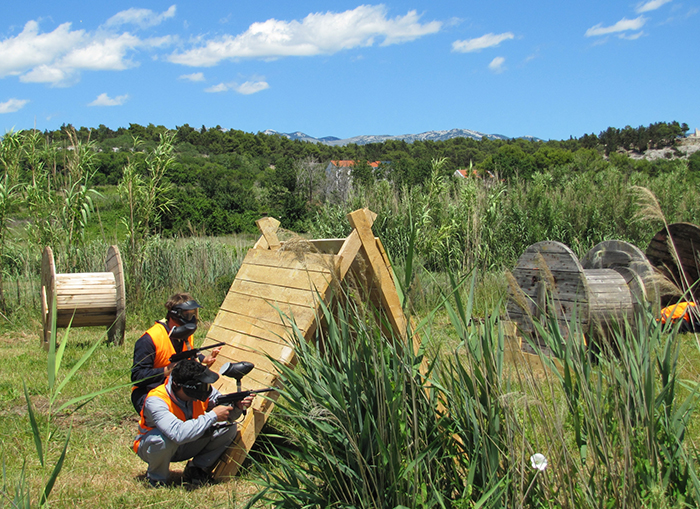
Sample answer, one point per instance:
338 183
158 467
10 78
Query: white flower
538 462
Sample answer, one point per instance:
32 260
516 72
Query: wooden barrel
88 299
675 253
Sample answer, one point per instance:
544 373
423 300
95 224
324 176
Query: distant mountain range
408 138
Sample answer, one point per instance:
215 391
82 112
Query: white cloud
631 37
197 76
621 26
246 88
479 43
496 65
12 105
318 33
143 18
46 74
252 87
652 5
105 100
57 57
102 55
221 87
30 48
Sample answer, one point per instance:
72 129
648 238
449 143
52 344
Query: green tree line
223 179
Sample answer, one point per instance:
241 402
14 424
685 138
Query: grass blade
54 475
35 426
77 366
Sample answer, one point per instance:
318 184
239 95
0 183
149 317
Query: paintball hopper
236 370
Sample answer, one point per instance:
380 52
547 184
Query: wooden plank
279 276
235 321
114 265
290 260
247 305
241 346
275 294
251 327
294 281
268 227
238 353
87 298
85 318
347 253
264 369
220 334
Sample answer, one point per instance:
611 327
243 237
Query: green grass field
102 471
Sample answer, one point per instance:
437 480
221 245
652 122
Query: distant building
464 173
348 163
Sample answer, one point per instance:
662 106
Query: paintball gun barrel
189 354
234 397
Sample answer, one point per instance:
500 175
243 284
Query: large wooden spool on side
603 291
675 253
87 299
548 273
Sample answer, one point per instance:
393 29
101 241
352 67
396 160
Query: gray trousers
158 451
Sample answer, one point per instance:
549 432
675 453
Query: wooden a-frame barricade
283 281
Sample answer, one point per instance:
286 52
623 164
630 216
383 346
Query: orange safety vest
198 408
676 312
164 347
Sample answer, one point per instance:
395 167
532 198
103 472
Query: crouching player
179 422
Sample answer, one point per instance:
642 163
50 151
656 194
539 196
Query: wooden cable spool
88 299
605 288
675 254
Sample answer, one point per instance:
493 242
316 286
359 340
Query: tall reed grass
470 223
367 428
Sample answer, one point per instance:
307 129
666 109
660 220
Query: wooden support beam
347 253
268 227
362 220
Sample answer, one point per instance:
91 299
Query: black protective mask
185 313
182 332
199 391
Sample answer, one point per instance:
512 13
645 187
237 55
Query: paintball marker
237 370
234 397
189 354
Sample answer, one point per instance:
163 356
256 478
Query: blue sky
550 69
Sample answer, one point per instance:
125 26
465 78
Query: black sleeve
142 368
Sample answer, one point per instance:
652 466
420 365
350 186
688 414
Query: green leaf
87 397
35 427
62 348
485 498
75 368
54 474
